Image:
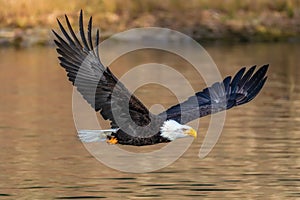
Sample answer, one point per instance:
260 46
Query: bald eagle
131 122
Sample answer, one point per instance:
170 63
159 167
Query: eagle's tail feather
95 135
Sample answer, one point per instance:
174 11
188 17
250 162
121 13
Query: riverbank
26 23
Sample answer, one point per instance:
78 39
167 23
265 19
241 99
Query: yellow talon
112 140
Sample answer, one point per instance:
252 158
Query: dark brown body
126 139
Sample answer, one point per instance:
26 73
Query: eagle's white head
173 130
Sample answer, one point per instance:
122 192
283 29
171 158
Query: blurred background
257 155
28 21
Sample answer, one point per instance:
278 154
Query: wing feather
240 89
95 82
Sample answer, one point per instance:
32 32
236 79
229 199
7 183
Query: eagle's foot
112 140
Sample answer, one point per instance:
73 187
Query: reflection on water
257 156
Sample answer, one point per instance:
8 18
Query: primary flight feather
131 122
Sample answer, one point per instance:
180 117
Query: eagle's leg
112 140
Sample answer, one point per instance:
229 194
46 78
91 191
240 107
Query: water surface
257 156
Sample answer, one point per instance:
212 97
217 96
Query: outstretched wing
220 96
98 86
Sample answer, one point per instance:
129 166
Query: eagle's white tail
95 135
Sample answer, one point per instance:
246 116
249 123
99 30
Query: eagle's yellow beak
191 132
